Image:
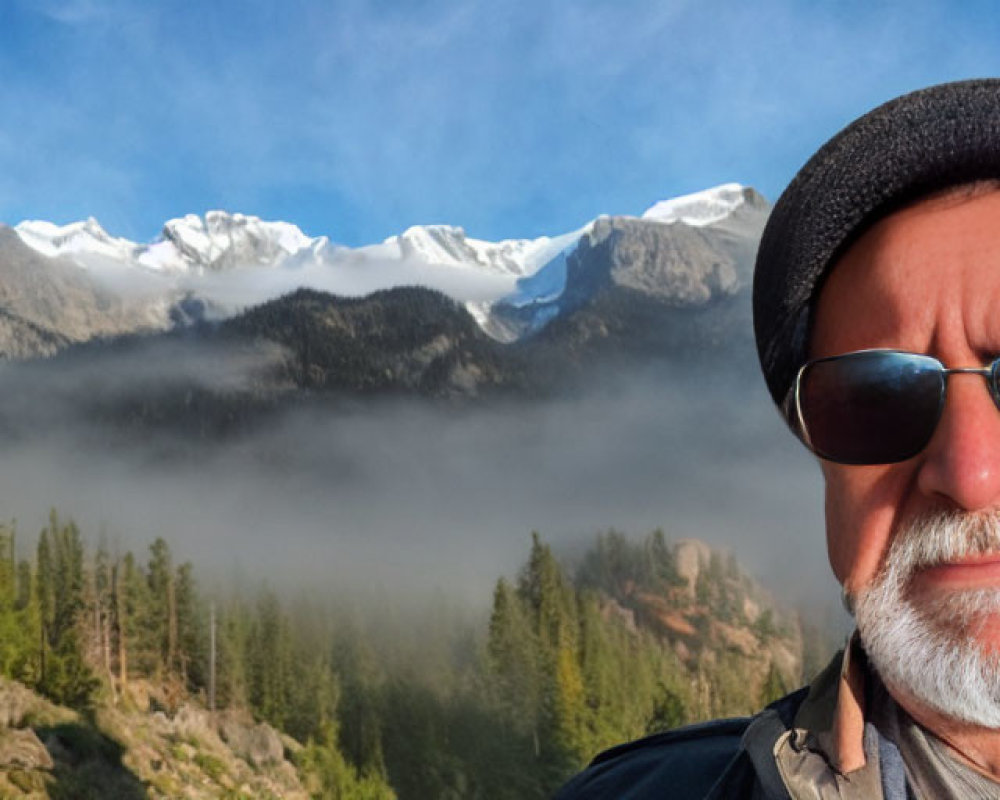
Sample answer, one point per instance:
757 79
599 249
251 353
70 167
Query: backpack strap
758 743
754 764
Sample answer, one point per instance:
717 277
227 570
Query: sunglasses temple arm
790 410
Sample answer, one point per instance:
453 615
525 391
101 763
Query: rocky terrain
130 750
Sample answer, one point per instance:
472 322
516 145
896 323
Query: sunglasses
873 406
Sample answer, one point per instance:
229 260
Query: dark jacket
709 760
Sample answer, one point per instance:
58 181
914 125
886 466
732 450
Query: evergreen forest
634 637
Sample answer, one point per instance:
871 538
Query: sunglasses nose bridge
989 374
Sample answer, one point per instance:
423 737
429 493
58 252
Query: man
877 315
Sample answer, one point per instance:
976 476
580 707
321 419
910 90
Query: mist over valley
396 437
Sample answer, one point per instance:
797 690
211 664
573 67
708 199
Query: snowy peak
76 238
216 242
448 245
222 241
700 208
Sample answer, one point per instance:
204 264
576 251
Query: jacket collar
834 709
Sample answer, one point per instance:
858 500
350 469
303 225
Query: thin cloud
71 12
511 119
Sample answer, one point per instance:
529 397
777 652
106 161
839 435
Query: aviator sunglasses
874 406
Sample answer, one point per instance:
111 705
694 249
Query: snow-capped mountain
191 244
699 209
222 263
683 252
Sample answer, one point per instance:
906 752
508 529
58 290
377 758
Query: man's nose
961 463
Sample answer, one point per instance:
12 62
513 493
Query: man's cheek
862 505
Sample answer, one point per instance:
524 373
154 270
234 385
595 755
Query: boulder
258 744
191 722
21 749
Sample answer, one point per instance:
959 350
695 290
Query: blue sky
513 119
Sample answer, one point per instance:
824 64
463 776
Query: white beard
930 648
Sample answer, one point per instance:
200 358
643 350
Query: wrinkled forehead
924 278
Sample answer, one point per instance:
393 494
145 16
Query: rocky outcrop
677 264
691 556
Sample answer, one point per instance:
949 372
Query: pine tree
551 605
549 597
269 660
68 576
64 675
140 632
45 594
103 614
361 708
191 629
234 622
162 614
17 639
515 665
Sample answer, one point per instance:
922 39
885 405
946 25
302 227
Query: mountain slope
400 340
47 304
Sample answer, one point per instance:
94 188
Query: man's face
926 280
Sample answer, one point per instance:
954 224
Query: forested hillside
164 687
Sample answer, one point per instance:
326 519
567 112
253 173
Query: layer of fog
348 275
408 495
340 271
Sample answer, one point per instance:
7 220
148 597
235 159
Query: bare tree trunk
171 626
41 653
106 648
97 636
211 658
119 607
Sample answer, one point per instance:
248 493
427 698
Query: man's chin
941 648
964 614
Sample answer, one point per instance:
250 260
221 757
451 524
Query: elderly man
877 314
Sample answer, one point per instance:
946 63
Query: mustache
939 538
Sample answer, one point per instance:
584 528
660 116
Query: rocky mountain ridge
74 283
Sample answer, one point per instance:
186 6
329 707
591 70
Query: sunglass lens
871 408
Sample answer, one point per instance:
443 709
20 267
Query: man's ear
847 600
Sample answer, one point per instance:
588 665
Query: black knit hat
911 146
